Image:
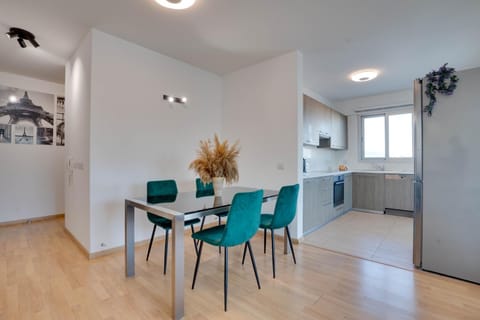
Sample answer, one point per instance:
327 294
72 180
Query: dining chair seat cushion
211 236
166 223
266 220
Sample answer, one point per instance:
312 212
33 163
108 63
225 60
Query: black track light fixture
22 43
21 35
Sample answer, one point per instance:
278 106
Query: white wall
136 136
392 99
77 135
32 175
396 98
263 109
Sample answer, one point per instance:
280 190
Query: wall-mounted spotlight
22 35
170 99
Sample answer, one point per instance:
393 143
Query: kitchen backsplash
323 159
329 160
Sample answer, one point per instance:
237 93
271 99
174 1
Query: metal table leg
286 249
178 273
129 240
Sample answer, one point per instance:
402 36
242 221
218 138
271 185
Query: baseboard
140 243
31 220
367 211
102 253
280 238
77 243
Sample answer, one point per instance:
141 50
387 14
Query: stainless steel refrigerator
447 180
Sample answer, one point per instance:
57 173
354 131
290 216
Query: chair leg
194 241
273 252
264 241
165 253
197 263
253 262
244 253
151 241
203 222
225 280
291 246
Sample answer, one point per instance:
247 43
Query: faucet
379 166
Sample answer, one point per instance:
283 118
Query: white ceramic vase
218 184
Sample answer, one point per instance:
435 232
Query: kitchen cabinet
318 119
311 204
317 202
399 191
348 192
369 191
324 120
309 125
338 131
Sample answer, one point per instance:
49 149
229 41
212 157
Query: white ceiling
403 38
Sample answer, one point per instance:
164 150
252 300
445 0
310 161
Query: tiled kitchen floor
376 237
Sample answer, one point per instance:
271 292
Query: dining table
179 208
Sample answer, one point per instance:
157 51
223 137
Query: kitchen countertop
318 174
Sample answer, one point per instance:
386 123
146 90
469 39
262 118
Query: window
387 136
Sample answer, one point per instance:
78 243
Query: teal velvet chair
164 191
204 190
283 215
242 224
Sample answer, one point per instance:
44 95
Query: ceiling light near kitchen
364 75
176 4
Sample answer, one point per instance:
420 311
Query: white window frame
385 113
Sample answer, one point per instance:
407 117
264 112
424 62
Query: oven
338 190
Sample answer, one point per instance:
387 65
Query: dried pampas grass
216 159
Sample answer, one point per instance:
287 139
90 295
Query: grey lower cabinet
311 203
348 192
317 202
399 191
369 191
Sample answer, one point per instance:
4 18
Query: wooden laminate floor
43 275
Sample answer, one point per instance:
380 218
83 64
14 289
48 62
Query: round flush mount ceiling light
364 75
176 4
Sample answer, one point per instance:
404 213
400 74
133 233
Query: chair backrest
161 191
286 206
243 219
203 189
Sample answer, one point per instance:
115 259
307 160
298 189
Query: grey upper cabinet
309 126
369 191
399 191
324 120
318 119
338 131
